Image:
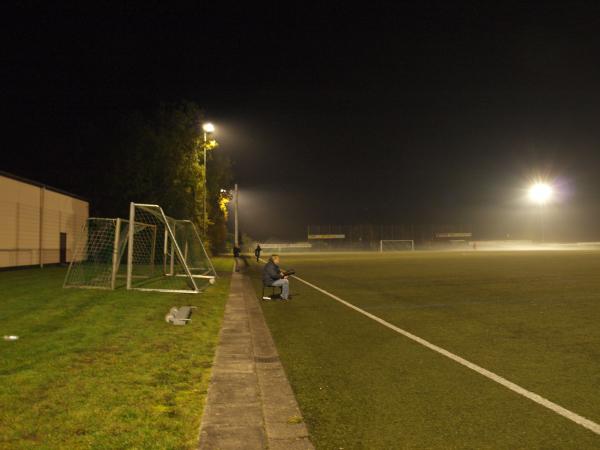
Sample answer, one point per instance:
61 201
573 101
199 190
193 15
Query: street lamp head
540 193
208 127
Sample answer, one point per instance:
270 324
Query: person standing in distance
257 251
236 255
273 276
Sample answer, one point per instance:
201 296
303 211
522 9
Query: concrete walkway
250 403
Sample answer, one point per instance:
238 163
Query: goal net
98 252
165 254
396 245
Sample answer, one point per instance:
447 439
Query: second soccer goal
165 254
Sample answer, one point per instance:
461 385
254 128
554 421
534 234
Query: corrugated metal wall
31 220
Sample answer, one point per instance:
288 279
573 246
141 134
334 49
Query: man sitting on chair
273 276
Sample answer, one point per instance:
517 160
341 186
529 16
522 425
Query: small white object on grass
171 315
11 338
211 280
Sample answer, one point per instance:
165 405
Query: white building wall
23 206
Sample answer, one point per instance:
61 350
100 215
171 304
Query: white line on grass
586 423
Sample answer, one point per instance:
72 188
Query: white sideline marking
586 423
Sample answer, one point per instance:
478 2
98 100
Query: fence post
41 241
115 258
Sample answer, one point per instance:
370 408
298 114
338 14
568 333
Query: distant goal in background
396 245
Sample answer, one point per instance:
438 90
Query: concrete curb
250 403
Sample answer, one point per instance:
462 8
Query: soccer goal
165 254
98 253
396 245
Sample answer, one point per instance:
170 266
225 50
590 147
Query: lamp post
207 128
235 218
541 194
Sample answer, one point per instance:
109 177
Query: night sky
407 112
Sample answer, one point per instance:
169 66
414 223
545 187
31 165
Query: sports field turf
101 369
530 317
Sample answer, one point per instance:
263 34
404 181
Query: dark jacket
271 272
257 251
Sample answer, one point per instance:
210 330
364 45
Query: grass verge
102 369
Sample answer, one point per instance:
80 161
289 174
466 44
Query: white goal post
396 245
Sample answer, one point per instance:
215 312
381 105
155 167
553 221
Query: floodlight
540 193
208 127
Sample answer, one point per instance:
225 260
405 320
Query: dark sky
400 112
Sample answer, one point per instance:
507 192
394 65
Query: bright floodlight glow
208 127
540 193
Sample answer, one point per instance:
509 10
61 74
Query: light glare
208 127
540 193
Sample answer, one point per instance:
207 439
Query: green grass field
530 317
101 369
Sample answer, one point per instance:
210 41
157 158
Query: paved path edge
250 403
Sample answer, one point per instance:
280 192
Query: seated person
273 276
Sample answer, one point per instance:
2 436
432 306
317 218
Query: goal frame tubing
412 243
115 254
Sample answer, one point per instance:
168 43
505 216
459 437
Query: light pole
207 128
541 194
235 218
